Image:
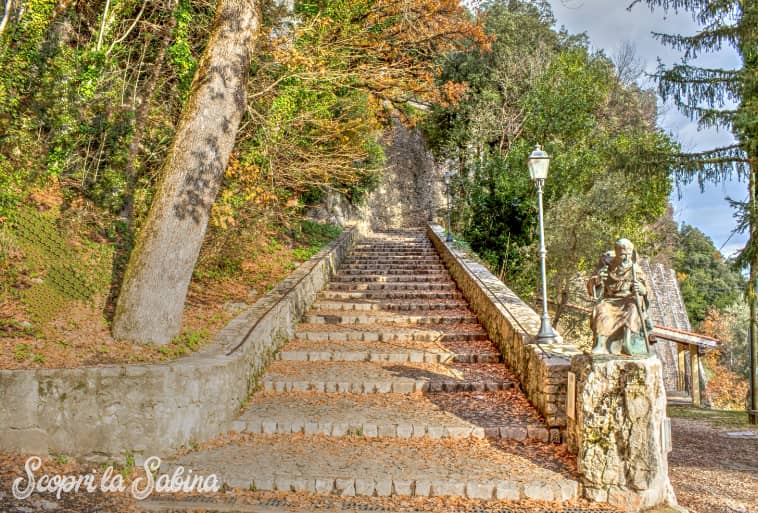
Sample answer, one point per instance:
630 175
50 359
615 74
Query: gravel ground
710 472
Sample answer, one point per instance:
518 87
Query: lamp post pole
448 176
538 164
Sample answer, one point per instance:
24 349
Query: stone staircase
391 387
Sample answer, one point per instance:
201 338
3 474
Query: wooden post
681 380
695 375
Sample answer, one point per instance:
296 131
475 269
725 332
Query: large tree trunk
149 308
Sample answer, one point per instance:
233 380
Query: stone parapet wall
107 412
512 325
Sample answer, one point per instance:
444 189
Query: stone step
356 286
477 469
386 295
391 259
399 245
335 317
383 333
342 277
480 351
461 415
389 306
428 250
384 378
389 269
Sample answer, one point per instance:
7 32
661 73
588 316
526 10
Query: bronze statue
619 287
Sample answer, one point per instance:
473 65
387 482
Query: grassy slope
55 275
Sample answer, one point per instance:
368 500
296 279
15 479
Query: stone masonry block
435 432
383 487
387 430
419 430
303 485
507 490
423 488
403 388
370 430
264 483
364 487
283 484
404 430
452 488
339 429
403 487
492 432
479 490
566 489
457 431
345 487
539 490
324 485
478 432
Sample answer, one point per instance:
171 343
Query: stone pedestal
619 431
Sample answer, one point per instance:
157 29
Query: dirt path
710 471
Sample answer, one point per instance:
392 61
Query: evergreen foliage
542 86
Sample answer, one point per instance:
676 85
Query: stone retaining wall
512 325
107 412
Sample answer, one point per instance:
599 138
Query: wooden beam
695 376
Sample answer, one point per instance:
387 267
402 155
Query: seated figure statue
619 288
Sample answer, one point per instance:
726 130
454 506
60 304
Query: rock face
619 431
411 190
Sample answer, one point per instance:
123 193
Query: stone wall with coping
106 412
512 325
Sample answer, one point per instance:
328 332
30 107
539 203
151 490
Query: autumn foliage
726 389
328 84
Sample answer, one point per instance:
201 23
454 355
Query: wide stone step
391 259
395 251
337 317
477 469
386 295
342 277
395 247
479 351
384 270
389 306
384 333
355 286
384 378
500 414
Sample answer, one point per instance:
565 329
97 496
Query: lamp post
448 177
538 163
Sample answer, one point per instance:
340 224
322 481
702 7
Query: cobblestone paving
391 387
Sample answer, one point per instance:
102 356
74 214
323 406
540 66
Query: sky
608 24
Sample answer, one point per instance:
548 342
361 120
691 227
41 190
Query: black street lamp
448 177
538 163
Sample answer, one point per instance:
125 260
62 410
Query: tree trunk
149 308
